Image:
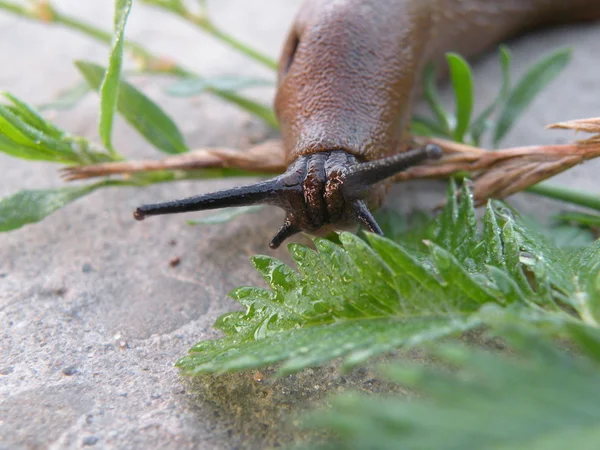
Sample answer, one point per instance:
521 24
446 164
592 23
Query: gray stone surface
92 317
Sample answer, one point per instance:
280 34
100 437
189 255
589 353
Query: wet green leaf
343 295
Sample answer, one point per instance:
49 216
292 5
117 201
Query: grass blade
141 112
482 124
462 84
527 89
109 88
433 100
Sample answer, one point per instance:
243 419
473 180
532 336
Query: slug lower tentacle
319 192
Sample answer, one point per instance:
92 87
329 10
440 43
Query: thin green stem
234 43
202 21
573 196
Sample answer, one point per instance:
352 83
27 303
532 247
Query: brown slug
348 74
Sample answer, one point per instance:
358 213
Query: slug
348 74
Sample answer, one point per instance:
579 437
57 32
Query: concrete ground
92 316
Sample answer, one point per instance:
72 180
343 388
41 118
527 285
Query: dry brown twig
495 174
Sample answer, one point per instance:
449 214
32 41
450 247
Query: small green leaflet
141 112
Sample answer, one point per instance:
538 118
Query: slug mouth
321 192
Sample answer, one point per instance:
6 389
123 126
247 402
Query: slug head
319 192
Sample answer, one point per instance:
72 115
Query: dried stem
496 174
267 157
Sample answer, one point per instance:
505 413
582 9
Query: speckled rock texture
93 317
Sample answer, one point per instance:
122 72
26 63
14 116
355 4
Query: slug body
348 74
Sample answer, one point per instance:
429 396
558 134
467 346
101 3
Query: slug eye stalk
318 192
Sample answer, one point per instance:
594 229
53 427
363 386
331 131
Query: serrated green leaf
31 206
141 112
545 399
356 283
109 87
527 89
318 344
462 84
187 87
